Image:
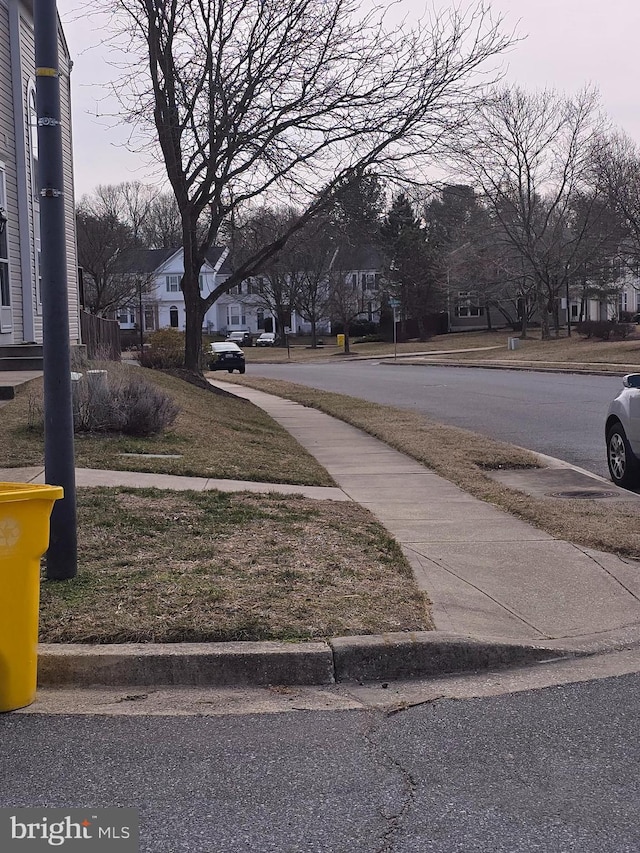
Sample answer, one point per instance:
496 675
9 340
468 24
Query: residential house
245 306
159 272
20 291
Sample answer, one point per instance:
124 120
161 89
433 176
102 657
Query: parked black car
242 338
226 356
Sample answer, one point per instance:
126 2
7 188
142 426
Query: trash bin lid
29 491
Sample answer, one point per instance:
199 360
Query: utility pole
62 557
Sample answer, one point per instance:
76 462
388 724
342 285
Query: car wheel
241 370
624 468
229 369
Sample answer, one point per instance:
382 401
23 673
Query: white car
266 339
623 434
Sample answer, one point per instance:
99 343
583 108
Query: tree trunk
314 337
487 308
194 311
346 339
541 303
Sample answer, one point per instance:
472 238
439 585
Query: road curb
383 657
531 367
195 664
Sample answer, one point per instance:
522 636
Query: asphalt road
559 414
545 771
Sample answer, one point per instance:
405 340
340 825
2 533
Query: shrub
603 329
370 339
165 349
117 402
357 328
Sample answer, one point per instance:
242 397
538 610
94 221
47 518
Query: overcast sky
566 44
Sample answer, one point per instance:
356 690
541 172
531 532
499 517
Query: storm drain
581 494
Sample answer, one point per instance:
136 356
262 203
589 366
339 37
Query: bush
357 328
120 403
370 339
165 349
603 329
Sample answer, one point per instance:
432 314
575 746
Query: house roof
358 258
150 260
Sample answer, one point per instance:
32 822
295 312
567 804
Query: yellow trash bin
340 340
25 510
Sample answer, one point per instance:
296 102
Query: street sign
394 303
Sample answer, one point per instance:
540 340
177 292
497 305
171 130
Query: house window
173 317
35 195
236 316
574 311
234 291
127 317
5 296
369 281
173 284
467 305
260 318
201 282
149 319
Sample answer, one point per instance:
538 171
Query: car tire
624 467
229 369
241 370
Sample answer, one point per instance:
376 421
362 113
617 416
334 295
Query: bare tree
617 168
162 227
346 303
314 258
260 101
102 243
130 203
276 288
531 155
110 225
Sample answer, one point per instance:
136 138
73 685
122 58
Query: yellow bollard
25 510
340 340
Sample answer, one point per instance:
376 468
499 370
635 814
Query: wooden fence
101 337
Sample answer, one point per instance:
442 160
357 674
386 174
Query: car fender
626 409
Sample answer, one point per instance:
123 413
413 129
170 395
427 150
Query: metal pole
395 336
568 311
62 556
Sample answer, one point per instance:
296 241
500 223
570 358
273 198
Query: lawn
158 566
619 356
215 435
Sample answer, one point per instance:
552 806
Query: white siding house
162 299
20 296
244 307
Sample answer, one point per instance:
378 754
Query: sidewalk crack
607 571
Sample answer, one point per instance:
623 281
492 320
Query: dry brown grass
463 457
161 566
580 353
215 435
